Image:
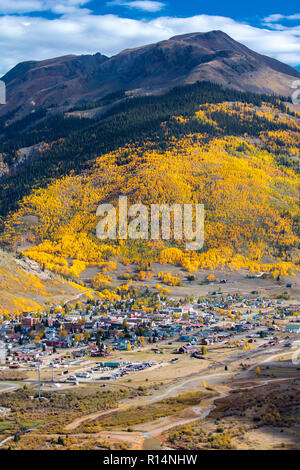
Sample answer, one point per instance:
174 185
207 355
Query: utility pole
52 365
39 380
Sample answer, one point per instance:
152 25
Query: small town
110 346
98 330
149 231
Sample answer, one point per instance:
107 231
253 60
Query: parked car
72 378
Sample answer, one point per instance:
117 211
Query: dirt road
8 387
154 429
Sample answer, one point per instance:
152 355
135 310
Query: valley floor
223 386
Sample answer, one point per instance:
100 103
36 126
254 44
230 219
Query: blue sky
40 29
242 10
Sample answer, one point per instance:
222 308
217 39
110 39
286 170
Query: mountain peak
203 34
183 59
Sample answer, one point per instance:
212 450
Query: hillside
235 152
63 143
265 417
25 286
64 82
242 167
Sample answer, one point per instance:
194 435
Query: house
50 334
25 356
78 353
74 327
292 328
184 338
112 365
29 322
187 349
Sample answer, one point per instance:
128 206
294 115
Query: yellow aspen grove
250 199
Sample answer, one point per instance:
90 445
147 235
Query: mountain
237 152
25 286
48 83
237 158
214 56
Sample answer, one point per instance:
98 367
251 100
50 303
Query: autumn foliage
250 199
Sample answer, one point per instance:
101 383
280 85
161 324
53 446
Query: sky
41 29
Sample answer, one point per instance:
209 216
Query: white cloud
35 38
144 5
19 6
27 6
294 17
273 18
276 17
